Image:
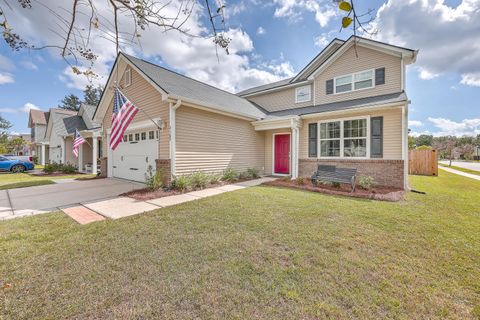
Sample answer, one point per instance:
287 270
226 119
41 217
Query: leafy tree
424 140
15 145
70 102
91 95
411 142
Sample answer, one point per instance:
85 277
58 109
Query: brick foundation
165 165
385 172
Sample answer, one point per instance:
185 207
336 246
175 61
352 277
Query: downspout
405 145
173 145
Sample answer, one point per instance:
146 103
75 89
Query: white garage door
134 154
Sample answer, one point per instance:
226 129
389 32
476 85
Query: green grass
257 253
460 169
10 178
25 184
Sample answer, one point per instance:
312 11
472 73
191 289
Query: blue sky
273 40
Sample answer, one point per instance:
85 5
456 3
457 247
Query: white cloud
6 78
261 30
471 79
29 65
194 56
447 36
415 123
446 127
25 108
294 9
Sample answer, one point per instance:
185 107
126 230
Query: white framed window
127 77
143 136
355 81
303 94
344 138
151 135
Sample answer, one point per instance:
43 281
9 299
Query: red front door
282 154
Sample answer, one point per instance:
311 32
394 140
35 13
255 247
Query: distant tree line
448 147
91 96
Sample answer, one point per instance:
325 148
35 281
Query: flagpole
148 116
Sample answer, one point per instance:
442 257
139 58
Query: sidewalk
468 175
120 207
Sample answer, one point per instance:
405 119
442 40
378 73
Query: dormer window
303 94
127 77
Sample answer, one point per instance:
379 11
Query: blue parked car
14 165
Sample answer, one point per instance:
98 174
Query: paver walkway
468 175
120 207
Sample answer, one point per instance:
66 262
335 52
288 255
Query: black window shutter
376 137
312 140
379 76
329 86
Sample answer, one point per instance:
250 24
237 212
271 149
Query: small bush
154 181
181 183
199 179
286 178
336 184
35 159
230 175
253 173
215 178
366 182
300 181
424 148
52 167
67 168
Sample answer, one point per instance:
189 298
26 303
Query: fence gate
423 162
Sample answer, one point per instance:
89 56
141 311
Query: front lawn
13 178
25 184
257 253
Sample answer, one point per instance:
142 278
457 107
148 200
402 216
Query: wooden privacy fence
423 162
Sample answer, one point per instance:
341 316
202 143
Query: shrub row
67 168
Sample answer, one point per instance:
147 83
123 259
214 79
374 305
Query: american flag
77 142
123 113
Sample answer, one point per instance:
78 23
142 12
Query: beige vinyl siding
87 151
280 100
147 98
326 55
269 148
392 131
207 141
348 63
69 157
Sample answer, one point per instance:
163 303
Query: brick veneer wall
385 172
103 167
165 165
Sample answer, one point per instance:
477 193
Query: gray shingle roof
267 86
188 88
343 105
64 124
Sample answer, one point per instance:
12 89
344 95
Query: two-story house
347 107
37 122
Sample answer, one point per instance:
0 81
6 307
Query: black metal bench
334 174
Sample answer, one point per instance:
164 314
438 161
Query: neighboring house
25 149
37 122
60 132
347 107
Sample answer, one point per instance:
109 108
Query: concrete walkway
121 207
461 173
463 164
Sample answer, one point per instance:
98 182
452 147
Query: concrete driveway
33 200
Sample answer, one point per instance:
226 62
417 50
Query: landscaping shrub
424 148
300 181
154 181
67 168
215 178
336 184
366 182
181 183
286 178
51 167
253 173
199 179
230 175
35 159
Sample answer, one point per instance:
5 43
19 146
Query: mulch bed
146 194
378 193
90 178
54 174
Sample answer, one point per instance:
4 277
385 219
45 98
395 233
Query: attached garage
133 156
